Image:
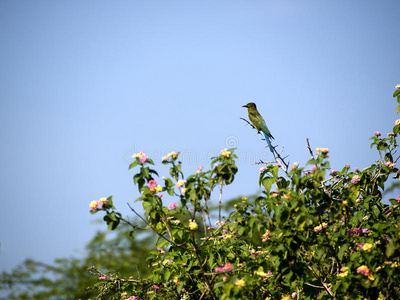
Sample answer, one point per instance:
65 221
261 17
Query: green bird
259 123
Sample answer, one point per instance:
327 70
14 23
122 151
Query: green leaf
162 244
167 274
390 248
267 182
343 250
134 164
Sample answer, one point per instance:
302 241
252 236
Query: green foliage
67 278
312 233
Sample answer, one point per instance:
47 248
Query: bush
313 233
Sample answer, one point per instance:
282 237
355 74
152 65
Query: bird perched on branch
259 123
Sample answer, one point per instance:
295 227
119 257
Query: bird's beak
245 106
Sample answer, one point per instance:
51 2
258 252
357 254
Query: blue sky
85 84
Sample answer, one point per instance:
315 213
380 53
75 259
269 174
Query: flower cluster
240 283
343 272
355 179
322 150
199 169
171 154
263 274
319 227
365 270
226 268
193 225
358 231
225 153
365 246
95 204
154 187
180 183
141 155
173 205
390 165
266 235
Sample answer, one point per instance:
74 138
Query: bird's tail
269 143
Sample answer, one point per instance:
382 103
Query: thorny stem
278 155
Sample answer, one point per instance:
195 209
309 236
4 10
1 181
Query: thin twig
309 149
284 166
158 233
220 201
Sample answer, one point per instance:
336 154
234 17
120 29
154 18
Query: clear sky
85 84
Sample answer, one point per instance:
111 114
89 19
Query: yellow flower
199 169
371 277
176 280
93 205
180 183
184 190
367 247
102 201
193 225
240 283
322 150
158 188
225 153
261 273
171 154
139 155
344 271
397 122
287 297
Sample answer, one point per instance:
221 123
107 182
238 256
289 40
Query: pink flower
161 250
266 236
355 179
262 169
152 184
173 205
226 268
313 168
397 87
199 169
377 133
333 172
93 205
364 270
143 159
398 198
390 165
